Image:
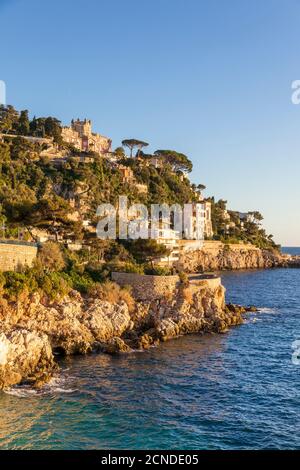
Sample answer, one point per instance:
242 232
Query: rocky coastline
217 256
35 330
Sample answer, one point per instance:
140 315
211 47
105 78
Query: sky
211 79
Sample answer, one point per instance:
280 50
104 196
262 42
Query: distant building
157 162
244 216
127 175
201 212
80 135
208 231
172 240
165 235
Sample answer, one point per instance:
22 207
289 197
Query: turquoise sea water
239 390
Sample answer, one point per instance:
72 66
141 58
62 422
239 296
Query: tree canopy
147 250
134 143
9 118
178 161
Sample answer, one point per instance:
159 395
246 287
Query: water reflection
238 390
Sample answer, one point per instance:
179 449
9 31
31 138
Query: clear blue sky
208 78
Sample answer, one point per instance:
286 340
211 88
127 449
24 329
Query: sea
238 390
291 250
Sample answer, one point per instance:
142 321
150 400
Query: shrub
16 283
188 295
50 257
126 296
125 267
184 279
54 285
78 281
158 271
112 293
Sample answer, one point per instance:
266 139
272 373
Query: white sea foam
266 310
55 385
21 391
252 319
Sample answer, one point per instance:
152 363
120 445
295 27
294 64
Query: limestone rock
105 320
167 329
25 356
114 346
33 330
216 256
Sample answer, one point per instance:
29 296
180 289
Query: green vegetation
164 185
134 143
12 122
38 194
55 273
177 161
234 227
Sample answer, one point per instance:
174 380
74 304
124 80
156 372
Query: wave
21 391
266 310
55 386
253 319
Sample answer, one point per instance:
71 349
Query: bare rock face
114 346
167 329
105 320
31 332
72 326
232 257
62 323
191 310
25 356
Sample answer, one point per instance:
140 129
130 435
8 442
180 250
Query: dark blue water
291 250
234 391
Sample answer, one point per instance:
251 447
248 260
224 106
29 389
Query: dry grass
169 295
187 295
113 293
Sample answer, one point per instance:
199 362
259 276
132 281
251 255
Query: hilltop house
127 175
203 210
80 135
165 234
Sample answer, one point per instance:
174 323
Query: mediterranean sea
238 390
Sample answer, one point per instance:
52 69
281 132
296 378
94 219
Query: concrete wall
14 254
148 287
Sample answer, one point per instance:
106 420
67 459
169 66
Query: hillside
47 184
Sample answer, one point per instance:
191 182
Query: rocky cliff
216 256
34 330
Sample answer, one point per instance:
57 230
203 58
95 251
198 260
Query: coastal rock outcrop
25 356
216 256
105 320
36 328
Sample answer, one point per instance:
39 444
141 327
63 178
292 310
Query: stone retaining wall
14 254
212 283
149 287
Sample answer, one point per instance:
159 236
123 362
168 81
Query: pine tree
23 124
